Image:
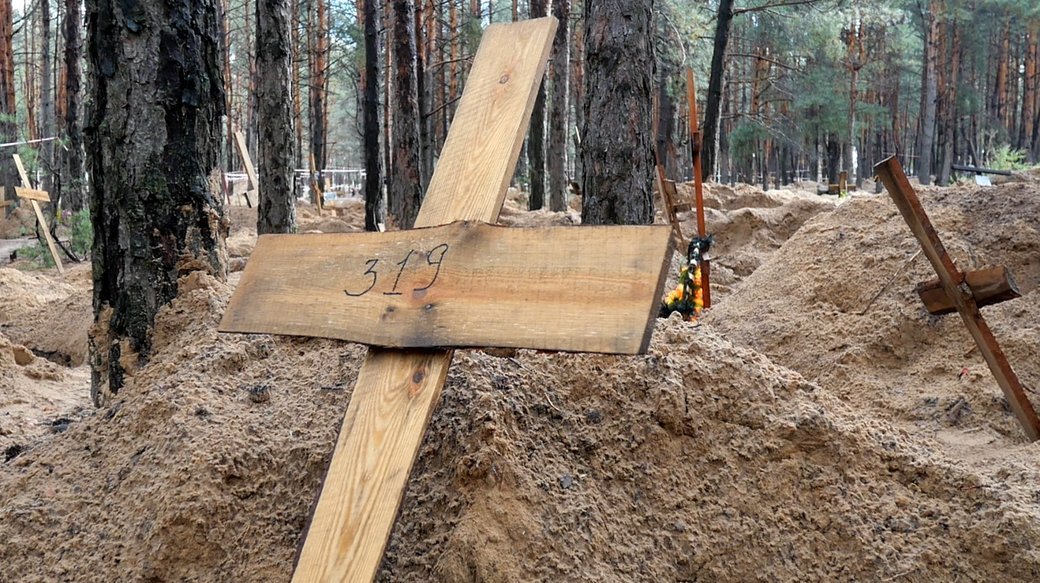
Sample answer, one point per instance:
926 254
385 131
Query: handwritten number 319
437 252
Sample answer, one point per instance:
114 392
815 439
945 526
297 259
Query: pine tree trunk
1029 88
617 151
74 184
926 129
276 211
558 121
297 87
405 193
155 205
714 105
8 112
536 135
46 103
370 126
317 92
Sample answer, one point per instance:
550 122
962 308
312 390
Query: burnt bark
74 177
154 135
536 137
617 147
713 107
276 212
405 194
370 112
560 69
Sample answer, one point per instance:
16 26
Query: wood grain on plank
956 289
359 499
21 171
32 194
582 289
989 286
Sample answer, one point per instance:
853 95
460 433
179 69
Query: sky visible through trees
808 87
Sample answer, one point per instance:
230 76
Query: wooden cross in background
35 197
464 284
962 292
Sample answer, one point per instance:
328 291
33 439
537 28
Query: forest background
804 88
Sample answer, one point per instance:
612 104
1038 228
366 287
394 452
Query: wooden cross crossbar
432 271
34 197
964 292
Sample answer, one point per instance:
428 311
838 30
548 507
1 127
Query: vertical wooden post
698 181
397 390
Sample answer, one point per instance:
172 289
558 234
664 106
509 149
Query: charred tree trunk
536 137
405 194
370 128
276 211
560 66
155 204
74 182
713 107
617 151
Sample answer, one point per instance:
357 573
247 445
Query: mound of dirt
50 316
699 460
749 225
836 303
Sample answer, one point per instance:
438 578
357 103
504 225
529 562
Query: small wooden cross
955 290
35 197
247 163
464 284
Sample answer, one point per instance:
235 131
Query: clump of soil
49 316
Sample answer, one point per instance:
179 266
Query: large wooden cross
35 197
464 284
960 291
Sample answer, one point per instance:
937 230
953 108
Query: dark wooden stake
958 292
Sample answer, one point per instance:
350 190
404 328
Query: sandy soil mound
836 303
50 316
749 225
700 460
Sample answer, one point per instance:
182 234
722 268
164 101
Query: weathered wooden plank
584 289
32 194
253 184
989 286
21 171
668 206
397 391
955 287
27 187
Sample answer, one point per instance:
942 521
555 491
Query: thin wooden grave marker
965 292
396 390
35 197
698 182
247 163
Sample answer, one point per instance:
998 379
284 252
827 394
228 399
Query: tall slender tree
536 136
370 125
405 194
74 174
617 149
713 109
155 203
558 118
276 210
